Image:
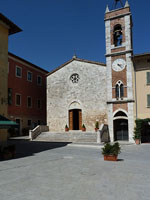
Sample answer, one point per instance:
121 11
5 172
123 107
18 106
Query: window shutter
148 100
148 77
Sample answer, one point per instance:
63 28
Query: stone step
71 136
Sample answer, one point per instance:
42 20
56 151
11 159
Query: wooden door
80 120
70 119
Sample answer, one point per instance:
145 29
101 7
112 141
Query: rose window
74 78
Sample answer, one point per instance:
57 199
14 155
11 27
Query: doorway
18 132
121 130
75 119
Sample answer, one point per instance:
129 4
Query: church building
85 92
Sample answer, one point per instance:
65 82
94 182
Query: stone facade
88 94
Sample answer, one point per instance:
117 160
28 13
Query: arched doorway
75 119
121 126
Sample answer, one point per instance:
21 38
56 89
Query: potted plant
111 151
137 132
83 128
66 128
96 126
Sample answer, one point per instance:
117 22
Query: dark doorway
18 129
121 130
75 119
145 133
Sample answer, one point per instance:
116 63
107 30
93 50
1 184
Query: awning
6 123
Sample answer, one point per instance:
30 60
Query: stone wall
88 94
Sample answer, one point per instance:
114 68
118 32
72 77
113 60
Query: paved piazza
52 171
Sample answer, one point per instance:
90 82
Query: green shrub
111 149
83 126
97 125
66 126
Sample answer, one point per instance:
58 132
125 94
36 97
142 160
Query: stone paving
55 171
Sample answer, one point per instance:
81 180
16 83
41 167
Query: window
18 72
29 122
18 99
29 76
9 96
39 80
117 35
74 78
38 103
148 78
39 122
29 102
119 90
148 100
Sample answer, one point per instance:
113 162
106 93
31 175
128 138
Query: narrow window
117 35
29 76
29 102
18 72
39 122
18 99
148 78
119 90
9 96
39 80
29 122
148 100
38 103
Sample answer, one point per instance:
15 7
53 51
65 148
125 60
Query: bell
118 33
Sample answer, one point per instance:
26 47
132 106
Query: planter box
110 157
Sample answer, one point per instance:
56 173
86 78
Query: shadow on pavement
26 148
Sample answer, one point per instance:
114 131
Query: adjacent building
26 93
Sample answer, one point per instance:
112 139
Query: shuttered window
148 78
148 100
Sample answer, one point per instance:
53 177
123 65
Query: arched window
119 90
117 35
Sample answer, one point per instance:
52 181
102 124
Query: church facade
85 92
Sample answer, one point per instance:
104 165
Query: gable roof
27 62
76 59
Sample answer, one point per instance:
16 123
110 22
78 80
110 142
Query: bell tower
120 100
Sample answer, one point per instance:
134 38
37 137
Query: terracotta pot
110 157
66 129
96 129
83 129
137 141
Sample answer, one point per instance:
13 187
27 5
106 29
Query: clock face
119 65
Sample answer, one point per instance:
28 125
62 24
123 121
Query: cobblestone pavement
55 171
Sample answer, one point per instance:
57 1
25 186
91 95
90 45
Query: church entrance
75 119
121 130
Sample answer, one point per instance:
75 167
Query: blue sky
54 29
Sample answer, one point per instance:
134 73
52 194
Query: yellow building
6 28
142 85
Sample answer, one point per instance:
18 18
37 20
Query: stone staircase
71 136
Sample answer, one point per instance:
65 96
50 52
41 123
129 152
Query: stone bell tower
118 26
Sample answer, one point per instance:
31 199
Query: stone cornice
120 101
119 53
